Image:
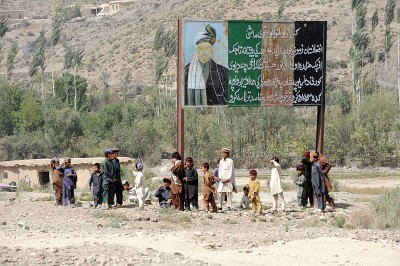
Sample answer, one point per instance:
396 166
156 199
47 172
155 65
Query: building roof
46 162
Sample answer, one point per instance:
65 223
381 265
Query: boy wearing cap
56 179
227 183
108 179
95 181
318 182
163 193
69 183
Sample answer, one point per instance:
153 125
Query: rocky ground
35 232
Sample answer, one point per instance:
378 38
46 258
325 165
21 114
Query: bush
387 209
339 221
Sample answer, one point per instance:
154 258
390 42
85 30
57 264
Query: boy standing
118 188
178 197
318 182
191 185
208 190
164 194
254 189
227 183
139 184
301 191
56 178
108 179
95 181
69 183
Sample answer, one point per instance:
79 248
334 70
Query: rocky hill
123 42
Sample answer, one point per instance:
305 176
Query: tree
281 9
389 16
10 101
3 25
127 78
30 116
38 61
374 23
11 59
360 42
56 27
73 60
65 89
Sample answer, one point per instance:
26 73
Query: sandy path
331 250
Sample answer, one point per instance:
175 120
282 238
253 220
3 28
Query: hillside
123 42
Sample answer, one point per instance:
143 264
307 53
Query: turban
226 150
55 159
209 36
313 154
67 159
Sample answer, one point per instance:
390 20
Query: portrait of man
206 82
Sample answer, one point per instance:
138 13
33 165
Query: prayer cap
67 159
55 159
313 154
209 36
108 151
114 149
226 150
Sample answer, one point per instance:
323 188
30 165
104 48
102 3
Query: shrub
339 221
387 209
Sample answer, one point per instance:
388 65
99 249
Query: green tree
12 53
65 90
389 16
29 117
374 23
10 101
281 9
56 28
38 61
127 78
73 60
3 25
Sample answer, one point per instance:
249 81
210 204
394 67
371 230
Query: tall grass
384 212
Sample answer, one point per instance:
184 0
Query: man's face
204 51
312 159
67 163
224 155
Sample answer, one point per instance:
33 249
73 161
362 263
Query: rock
280 242
21 224
154 219
99 225
26 227
197 233
3 223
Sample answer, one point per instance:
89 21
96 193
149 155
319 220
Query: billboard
253 63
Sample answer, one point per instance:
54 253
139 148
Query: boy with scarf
177 181
164 194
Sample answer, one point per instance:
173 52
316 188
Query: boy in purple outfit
69 183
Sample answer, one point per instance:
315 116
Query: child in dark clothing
164 194
245 201
95 181
191 185
300 182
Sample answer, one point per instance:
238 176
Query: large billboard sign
253 63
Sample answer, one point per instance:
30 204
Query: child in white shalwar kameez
139 184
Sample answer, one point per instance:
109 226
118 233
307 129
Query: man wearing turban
206 82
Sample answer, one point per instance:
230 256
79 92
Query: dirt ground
35 232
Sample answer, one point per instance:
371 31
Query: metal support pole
321 108
180 112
